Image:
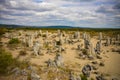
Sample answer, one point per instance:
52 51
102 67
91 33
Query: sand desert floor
71 59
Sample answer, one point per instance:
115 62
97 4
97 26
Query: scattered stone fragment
51 63
99 77
99 57
115 79
78 78
71 77
86 70
101 64
94 62
90 57
24 72
35 76
94 67
79 47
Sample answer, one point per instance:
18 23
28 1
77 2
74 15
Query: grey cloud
27 5
113 9
117 19
78 0
31 12
2 1
1 18
104 9
15 12
117 6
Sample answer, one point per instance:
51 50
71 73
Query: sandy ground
111 59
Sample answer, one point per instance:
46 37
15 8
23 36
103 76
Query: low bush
14 41
84 51
58 43
83 77
44 35
23 53
6 60
2 31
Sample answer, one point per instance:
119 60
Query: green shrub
44 35
14 41
5 61
83 77
84 51
58 43
2 31
92 79
22 53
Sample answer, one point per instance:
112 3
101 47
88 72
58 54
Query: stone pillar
61 39
46 34
108 41
59 60
88 37
36 48
24 40
86 44
100 36
64 34
98 47
66 40
30 41
35 34
84 35
92 50
60 49
58 32
118 37
54 43
77 35
40 32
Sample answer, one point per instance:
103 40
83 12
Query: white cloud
55 12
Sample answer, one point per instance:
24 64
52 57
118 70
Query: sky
76 13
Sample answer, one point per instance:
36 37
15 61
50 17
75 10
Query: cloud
104 9
28 5
60 12
2 1
117 7
80 0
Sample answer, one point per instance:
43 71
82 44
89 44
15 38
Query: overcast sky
83 13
